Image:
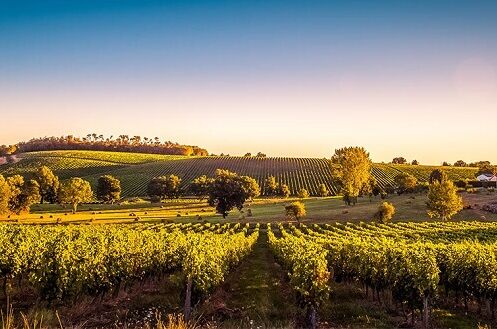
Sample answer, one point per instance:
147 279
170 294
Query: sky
289 78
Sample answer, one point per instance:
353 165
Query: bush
303 193
295 210
385 212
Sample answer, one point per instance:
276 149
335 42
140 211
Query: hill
136 169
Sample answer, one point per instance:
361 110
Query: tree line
18 194
94 142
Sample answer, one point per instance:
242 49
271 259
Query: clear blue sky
295 78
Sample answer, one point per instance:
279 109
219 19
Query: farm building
487 178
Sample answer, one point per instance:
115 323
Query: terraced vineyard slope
136 169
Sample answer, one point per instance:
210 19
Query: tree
460 163
443 201
284 191
438 175
163 187
399 160
74 192
385 212
23 194
303 193
108 189
415 162
486 169
445 164
479 164
323 190
405 182
15 184
248 154
228 190
200 186
296 210
261 155
4 196
270 186
351 168
49 184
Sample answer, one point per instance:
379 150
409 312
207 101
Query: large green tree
351 168
23 194
74 192
4 196
200 186
108 189
228 190
270 186
49 184
406 183
443 200
163 187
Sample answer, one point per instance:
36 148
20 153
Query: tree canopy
228 190
443 200
108 189
406 183
295 210
399 160
351 167
74 192
49 184
163 187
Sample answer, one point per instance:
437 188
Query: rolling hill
136 169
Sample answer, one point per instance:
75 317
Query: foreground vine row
410 265
64 262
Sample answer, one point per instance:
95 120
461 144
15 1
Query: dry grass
173 322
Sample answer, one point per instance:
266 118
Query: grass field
410 207
135 169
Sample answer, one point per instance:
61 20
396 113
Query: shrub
303 193
385 212
295 210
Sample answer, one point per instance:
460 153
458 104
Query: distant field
136 169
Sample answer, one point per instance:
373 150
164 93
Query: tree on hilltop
399 160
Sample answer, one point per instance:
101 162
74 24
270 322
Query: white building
487 178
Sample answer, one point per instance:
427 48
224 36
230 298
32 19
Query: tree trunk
188 300
311 317
426 312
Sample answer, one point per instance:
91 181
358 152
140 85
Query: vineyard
408 267
135 169
67 262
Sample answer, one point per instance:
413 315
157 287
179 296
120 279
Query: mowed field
135 170
410 207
